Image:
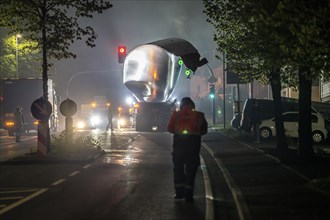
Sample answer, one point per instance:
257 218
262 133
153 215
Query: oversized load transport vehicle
151 72
23 92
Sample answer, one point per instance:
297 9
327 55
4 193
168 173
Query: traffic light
188 73
212 91
121 54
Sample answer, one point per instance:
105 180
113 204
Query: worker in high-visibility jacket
188 126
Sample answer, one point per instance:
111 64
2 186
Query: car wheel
317 136
265 133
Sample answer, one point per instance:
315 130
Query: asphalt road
133 180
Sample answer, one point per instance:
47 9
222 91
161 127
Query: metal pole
213 109
85 72
224 90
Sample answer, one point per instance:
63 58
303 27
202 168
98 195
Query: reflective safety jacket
187 122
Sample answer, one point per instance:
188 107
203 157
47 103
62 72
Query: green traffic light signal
212 91
188 72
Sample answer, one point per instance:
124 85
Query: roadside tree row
276 42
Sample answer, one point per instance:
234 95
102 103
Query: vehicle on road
290 121
23 92
151 72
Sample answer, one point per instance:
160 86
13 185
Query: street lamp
17 36
86 72
212 80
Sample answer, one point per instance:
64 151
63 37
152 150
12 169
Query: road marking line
58 182
86 166
14 205
18 191
11 198
74 173
209 214
242 208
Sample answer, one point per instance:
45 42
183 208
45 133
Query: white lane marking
18 191
86 166
242 208
58 182
74 173
20 202
209 214
11 198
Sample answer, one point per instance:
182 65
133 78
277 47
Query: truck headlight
95 120
81 124
121 122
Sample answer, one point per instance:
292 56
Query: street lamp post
85 72
17 36
212 80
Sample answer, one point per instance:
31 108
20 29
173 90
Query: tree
251 50
274 38
307 55
53 24
28 59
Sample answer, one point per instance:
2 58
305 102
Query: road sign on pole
41 109
68 108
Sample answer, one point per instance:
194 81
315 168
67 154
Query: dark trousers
18 133
185 168
109 125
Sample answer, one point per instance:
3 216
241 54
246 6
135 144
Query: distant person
110 116
188 126
256 121
19 119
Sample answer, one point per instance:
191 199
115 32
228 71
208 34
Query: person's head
19 108
186 101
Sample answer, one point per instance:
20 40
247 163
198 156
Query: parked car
290 121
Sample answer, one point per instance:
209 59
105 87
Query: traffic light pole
213 111
224 91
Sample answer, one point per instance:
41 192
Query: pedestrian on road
188 126
19 122
256 121
110 116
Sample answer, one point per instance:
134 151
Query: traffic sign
41 109
68 108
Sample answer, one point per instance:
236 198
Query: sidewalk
273 189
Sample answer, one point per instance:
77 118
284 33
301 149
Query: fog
96 71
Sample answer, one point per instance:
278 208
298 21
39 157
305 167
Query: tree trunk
306 151
282 145
45 84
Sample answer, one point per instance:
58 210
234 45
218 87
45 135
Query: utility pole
224 88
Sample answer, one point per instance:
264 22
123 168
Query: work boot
188 194
179 193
